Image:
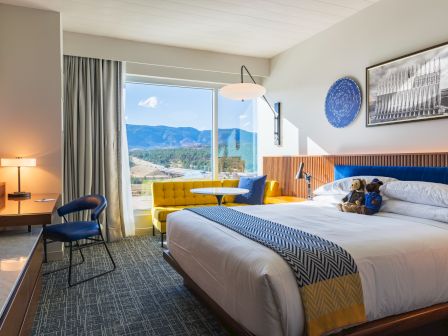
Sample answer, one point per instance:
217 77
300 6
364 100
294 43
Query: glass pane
169 136
237 138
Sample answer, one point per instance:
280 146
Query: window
237 144
169 132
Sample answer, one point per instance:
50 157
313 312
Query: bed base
431 321
227 321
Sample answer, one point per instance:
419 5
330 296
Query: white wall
164 61
30 96
301 76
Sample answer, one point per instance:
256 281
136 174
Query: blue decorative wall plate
343 102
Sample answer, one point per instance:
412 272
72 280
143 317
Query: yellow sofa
170 196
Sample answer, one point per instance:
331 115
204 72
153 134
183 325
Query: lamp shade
242 91
18 162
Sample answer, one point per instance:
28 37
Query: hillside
170 145
151 137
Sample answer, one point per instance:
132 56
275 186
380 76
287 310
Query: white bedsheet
402 261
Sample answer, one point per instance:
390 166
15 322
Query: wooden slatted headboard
284 168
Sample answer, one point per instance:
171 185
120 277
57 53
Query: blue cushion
256 190
427 174
71 231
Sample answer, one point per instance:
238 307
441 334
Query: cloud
150 102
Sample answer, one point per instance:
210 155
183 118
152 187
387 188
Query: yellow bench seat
160 214
170 196
283 199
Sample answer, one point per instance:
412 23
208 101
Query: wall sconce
242 91
18 162
302 174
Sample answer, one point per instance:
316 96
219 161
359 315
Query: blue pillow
256 190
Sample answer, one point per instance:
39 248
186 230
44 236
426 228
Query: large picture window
237 144
170 132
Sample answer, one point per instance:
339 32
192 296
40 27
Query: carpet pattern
143 296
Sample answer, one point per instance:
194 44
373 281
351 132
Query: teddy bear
373 199
354 200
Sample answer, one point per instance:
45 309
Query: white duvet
402 261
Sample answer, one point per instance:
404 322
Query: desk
21 256
27 212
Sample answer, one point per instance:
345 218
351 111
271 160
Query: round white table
220 192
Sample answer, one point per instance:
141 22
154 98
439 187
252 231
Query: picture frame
409 88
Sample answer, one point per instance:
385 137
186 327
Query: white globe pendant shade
242 91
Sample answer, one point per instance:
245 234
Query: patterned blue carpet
143 296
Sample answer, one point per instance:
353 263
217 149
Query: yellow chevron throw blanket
327 275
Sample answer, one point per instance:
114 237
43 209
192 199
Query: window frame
192 85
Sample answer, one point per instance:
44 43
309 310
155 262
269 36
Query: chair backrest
271 189
96 203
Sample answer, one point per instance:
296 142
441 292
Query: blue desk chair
72 232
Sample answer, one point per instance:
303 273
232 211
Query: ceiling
262 28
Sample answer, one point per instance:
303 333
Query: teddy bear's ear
363 183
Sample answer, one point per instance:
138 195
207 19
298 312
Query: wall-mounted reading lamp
302 174
243 91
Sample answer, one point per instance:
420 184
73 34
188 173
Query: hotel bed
402 262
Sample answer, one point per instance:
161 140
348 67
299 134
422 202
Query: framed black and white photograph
410 88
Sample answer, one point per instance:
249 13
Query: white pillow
429 193
343 186
415 210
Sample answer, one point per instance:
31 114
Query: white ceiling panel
261 28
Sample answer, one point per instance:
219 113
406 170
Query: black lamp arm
275 109
243 67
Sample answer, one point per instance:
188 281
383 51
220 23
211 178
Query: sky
149 104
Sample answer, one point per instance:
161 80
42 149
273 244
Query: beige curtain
95 146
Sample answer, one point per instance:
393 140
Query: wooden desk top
30 206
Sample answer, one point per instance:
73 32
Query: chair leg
80 252
70 265
161 239
110 255
153 230
108 252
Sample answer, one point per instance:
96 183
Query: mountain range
151 137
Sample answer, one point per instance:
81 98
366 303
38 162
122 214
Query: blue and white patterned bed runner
326 274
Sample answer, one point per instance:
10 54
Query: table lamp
18 162
302 174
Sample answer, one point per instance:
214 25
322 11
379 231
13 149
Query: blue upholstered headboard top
428 174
